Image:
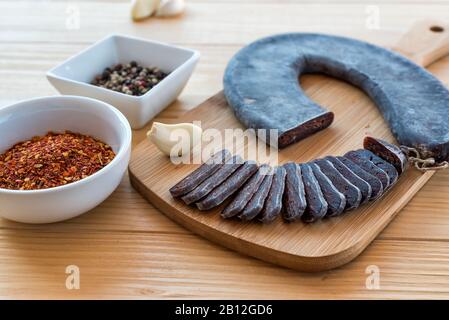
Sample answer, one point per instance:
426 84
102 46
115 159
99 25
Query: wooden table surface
125 248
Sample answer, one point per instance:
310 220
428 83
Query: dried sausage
336 201
273 204
389 169
227 188
364 187
416 107
316 204
387 151
244 196
370 167
255 205
214 180
352 194
376 186
208 168
294 195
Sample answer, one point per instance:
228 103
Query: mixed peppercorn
52 160
130 78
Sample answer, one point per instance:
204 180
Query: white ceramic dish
74 75
23 120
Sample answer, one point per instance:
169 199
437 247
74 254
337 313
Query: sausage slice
214 180
294 195
389 169
364 187
227 188
336 201
273 204
376 186
387 151
244 196
370 167
352 194
255 205
316 203
208 168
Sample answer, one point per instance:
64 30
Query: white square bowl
74 75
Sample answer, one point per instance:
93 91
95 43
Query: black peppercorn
130 78
105 75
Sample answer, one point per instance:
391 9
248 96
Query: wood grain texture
125 247
425 48
212 22
186 266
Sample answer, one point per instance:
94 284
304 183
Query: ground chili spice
52 160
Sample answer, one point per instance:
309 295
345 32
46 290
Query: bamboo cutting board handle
426 42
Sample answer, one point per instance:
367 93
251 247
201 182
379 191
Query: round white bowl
35 117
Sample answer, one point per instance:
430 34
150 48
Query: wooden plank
113 265
426 215
213 23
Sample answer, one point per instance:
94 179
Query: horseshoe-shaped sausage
261 85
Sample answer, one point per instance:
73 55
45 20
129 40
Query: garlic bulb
141 9
175 139
169 8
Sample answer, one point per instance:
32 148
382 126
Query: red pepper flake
52 160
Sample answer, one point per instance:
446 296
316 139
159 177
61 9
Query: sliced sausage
376 186
294 195
316 204
387 151
227 188
244 196
370 167
389 169
352 194
255 205
193 180
214 180
364 187
336 201
273 204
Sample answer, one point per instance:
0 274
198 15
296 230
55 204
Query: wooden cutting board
308 247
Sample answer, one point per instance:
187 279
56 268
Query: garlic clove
141 9
175 139
169 8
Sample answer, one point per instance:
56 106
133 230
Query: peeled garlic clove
175 139
141 9
170 8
